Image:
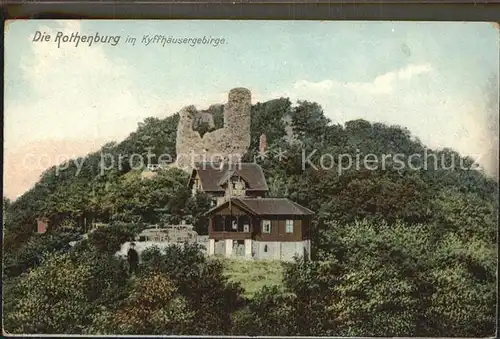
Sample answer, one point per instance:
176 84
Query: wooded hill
397 251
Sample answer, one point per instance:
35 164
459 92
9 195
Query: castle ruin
229 143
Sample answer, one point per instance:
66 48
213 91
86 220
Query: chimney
262 143
42 224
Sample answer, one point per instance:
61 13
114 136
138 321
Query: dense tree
201 282
384 280
110 238
308 121
196 207
268 118
401 247
30 254
269 313
54 299
153 307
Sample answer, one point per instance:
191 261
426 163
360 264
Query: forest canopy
397 251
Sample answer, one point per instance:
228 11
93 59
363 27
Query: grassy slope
253 274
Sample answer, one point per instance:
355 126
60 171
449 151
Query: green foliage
196 207
379 195
201 282
54 299
131 199
109 239
268 313
63 293
464 281
11 293
31 253
465 214
268 118
396 251
384 280
253 275
380 279
203 128
153 307
308 121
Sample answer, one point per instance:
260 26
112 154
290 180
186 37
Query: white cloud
428 110
82 99
382 84
81 93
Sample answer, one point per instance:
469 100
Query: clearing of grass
254 274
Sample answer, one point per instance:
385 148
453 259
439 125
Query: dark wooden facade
248 193
221 221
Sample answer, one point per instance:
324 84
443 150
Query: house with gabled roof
222 180
260 228
243 223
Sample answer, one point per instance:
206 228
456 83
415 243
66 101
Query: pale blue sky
429 77
254 55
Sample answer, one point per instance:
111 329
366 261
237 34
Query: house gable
213 177
226 209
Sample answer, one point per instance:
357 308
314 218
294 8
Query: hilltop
408 243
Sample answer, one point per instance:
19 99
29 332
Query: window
218 223
266 226
265 248
289 226
243 223
231 224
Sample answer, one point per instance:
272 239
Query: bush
110 239
30 254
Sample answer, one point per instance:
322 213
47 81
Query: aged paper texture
250 178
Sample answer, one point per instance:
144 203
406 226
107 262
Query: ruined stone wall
231 141
204 118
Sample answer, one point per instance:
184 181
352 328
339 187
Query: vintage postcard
250 178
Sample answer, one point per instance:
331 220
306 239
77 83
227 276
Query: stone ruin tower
229 143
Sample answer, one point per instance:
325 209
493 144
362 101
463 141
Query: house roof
267 206
213 176
227 175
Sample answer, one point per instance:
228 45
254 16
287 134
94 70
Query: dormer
222 180
234 186
196 185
